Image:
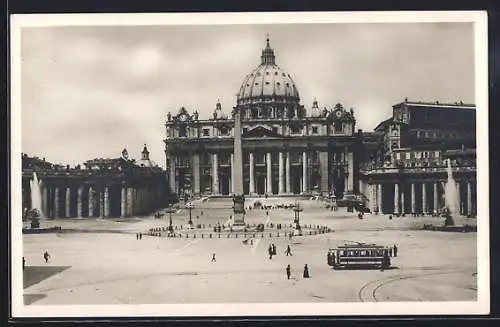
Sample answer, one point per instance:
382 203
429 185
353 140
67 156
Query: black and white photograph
243 164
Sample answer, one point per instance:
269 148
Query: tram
359 255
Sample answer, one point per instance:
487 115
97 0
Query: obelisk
239 198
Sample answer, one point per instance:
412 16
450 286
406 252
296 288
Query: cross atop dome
268 57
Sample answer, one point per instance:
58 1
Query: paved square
102 262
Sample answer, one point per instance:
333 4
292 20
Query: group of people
138 236
305 274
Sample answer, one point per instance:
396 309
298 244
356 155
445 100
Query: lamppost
297 209
170 227
190 206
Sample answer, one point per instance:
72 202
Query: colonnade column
123 202
281 174
91 202
469 198
304 172
215 174
435 186
413 204
459 200
396 198
379 197
45 203
56 202
252 175
232 174
130 201
79 201
372 189
67 206
287 173
424 199
269 173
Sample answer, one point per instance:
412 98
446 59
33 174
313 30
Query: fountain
35 213
450 196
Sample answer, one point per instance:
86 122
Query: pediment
261 131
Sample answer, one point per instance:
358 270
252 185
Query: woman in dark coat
306 272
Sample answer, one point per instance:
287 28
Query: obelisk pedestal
238 198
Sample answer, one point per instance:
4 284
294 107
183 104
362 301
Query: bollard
210 235
219 235
236 235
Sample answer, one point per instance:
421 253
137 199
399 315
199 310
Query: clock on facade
338 113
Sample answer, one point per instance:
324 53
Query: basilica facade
400 167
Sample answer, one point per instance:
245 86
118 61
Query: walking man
270 250
274 250
213 258
288 251
395 250
288 272
46 256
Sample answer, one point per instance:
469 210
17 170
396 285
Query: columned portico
67 206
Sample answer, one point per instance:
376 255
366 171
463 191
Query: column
171 178
269 173
91 202
424 199
436 197
281 174
130 201
304 172
45 207
372 189
469 198
196 174
287 174
396 198
68 202
413 204
323 161
403 208
252 175
232 174
123 201
459 200
350 177
379 197
215 174
79 202
56 202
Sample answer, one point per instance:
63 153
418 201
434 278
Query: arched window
182 130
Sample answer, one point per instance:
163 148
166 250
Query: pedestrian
288 272
46 256
251 242
395 250
24 263
270 250
306 272
213 258
137 236
288 251
140 236
274 250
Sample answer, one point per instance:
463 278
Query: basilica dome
268 82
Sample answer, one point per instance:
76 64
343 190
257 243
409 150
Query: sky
88 91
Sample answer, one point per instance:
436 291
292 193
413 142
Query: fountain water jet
36 196
450 195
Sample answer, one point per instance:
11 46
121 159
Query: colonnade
95 200
421 197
